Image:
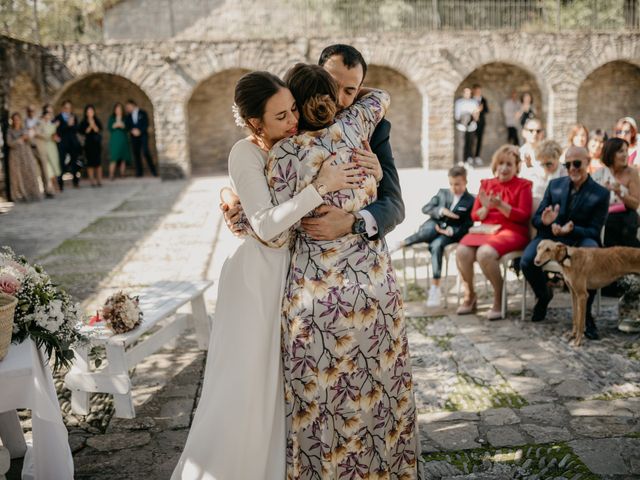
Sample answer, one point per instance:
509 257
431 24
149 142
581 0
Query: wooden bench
159 304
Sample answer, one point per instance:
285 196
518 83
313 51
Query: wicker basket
7 309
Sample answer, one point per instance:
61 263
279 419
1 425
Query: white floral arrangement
121 312
45 312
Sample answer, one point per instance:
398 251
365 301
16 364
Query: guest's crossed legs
436 241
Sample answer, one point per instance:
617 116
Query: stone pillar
563 111
171 138
440 128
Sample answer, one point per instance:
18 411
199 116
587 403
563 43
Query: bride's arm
270 223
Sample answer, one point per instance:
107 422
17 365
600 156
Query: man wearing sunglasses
573 211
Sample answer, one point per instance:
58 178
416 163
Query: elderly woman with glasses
627 129
547 167
503 205
572 211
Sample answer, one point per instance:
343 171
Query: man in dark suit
137 124
347 66
573 211
69 144
450 219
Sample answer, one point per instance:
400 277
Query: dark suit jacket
485 110
444 198
68 134
588 213
388 209
142 124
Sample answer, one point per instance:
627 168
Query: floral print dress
348 389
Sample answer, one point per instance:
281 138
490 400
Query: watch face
359 226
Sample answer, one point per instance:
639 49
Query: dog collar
566 256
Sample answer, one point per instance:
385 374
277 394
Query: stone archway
608 93
497 80
103 90
211 126
405 114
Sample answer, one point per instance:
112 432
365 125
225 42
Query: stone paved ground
505 399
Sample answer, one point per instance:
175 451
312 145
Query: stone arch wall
608 93
103 90
211 126
436 63
497 80
24 92
405 114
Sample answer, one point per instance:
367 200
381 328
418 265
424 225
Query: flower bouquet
44 313
121 312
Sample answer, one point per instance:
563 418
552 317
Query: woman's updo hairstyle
316 95
252 93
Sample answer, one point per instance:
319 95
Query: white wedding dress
238 432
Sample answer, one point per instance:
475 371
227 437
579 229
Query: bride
238 431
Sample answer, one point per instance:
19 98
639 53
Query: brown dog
587 269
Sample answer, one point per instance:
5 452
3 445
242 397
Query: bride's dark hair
252 93
316 95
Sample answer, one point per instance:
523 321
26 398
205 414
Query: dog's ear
560 254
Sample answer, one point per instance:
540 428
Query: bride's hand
368 160
339 177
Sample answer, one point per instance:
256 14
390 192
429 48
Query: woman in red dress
504 202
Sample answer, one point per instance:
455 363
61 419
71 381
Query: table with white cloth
26 382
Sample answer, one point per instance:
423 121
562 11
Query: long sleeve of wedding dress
270 223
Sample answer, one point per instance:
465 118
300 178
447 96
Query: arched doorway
405 114
103 90
608 93
498 80
211 126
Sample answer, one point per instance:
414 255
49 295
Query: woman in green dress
119 148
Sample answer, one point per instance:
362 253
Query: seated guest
573 211
503 205
533 133
450 218
597 138
627 129
623 183
578 136
546 169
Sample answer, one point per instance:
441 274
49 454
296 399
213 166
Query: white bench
159 304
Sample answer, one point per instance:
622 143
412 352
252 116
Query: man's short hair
131 101
351 57
458 171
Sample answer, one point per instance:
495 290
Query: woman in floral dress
348 388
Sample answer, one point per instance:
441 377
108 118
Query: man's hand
448 213
562 231
232 211
135 132
444 231
549 214
332 223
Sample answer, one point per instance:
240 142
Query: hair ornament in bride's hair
237 117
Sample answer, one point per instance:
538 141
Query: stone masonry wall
610 92
435 64
212 129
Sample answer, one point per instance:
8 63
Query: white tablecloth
26 382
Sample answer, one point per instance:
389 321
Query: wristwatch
359 226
